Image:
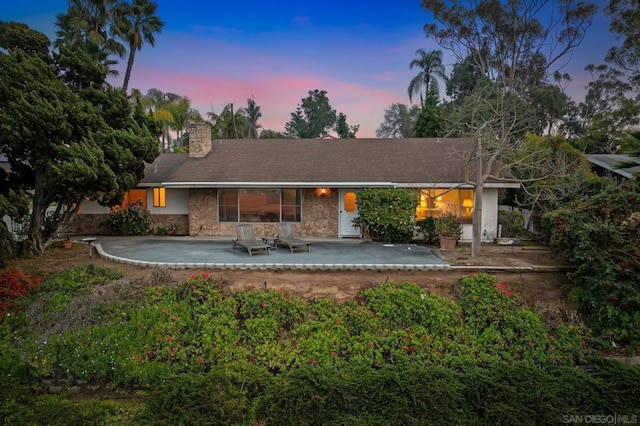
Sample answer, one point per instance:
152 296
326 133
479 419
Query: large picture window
437 202
259 205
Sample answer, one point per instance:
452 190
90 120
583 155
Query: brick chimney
199 140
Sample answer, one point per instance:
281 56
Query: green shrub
427 227
131 221
20 406
520 394
512 222
223 396
600 236
63 287
500 319
200 325
243 394
387 213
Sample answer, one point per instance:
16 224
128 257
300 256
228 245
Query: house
617 167
309 182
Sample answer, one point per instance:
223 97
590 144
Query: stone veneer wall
199 140
180 220
88 224
319 216
98 224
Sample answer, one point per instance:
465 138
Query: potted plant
171 229
449 230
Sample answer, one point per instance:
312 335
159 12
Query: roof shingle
308 162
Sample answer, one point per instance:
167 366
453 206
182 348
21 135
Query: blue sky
219 52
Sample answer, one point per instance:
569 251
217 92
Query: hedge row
506 394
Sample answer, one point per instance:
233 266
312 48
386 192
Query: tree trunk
476 236
37 226
127 74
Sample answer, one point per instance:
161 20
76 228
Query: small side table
89 242
272 241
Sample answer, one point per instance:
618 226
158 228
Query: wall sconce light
323 192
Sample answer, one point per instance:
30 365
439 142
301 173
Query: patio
325 254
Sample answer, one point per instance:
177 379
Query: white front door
348 212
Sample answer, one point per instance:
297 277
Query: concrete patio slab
191 252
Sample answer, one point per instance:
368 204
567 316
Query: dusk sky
277 51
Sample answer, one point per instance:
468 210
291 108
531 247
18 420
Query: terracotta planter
171 232
67 244
448 243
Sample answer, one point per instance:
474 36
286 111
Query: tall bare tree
511 45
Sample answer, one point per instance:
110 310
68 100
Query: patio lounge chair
287 237
247 240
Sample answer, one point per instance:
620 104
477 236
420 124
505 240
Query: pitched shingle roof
313 162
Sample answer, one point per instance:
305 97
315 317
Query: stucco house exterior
312 183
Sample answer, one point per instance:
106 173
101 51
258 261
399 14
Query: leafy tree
343 129
65 143
550 105
272 134
625 23
512 43
463 79
609 111
138 23
511 46
430 122
399 121
553 174
431 68
314 117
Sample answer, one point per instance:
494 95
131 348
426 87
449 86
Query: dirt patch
537 288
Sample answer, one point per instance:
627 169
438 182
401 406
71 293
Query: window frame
226 205
432 202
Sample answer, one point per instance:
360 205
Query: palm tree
89 26
227 124
431 68
183 115
139 24
91 21
251 115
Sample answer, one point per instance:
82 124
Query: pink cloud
276 94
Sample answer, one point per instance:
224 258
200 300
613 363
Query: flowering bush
201 324
600 236
14 284
133 220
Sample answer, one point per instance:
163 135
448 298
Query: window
259 205
135 196
436 202
159 197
